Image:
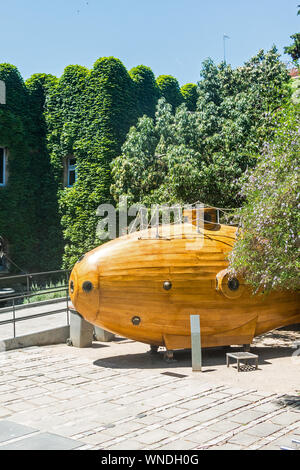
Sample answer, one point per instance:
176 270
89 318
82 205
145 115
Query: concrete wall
42 338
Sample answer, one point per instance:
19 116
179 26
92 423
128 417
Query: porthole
136 321
230 286
233 284
87 286
167 285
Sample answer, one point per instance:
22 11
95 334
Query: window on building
72 172
2 166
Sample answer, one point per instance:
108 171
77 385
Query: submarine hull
144 286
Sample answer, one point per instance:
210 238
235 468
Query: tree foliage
294 49
187 157
267 249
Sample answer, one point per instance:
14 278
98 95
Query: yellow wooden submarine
145 285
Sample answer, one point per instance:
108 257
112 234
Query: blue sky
170 36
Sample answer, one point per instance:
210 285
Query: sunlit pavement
117 396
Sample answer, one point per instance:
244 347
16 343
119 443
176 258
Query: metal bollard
196 343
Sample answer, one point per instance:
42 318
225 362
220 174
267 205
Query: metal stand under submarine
145 286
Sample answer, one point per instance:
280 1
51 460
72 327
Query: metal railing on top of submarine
23 291
229 215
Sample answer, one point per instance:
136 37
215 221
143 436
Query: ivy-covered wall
28 209
86 115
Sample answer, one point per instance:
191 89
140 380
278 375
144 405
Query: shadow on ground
210 358
292 401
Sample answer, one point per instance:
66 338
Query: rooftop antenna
224 45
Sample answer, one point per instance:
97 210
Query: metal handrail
14 276
31 293
34 293
33 304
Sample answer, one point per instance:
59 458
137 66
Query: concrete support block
81 332
103 335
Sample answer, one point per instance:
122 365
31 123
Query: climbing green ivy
190 95
27 202
170 90
147 90
86 115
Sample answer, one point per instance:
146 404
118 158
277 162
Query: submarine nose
84 288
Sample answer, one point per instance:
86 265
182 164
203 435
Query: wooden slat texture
128 276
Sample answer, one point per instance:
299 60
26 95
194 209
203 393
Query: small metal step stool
242 356
296 445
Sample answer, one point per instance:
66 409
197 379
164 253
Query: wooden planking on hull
128 275
244 334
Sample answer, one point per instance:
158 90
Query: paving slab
264 429
153 437
126 445
228 446
246 416
181 425
43 441
287 418
243 439
179 444
201 436
223 426
10 430
207 415
4 412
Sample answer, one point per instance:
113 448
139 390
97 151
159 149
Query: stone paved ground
116 396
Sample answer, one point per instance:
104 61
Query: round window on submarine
233 284
136 321
87 286
167 285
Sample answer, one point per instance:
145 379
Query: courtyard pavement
117 396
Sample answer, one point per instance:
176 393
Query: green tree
186 157
267 249
294 49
